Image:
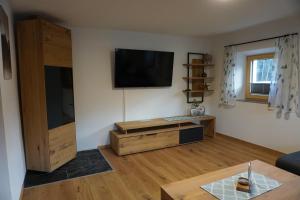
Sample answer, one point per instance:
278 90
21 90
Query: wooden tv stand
144 135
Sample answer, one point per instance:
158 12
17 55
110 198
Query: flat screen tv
140 68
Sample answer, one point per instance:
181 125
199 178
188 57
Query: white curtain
228 92
285 89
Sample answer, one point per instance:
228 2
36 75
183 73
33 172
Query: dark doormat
86 163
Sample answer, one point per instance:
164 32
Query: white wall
98 105
5 192
251 121
11 126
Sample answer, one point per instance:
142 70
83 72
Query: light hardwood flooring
139 176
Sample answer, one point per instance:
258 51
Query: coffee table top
189 189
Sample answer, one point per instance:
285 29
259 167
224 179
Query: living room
165 135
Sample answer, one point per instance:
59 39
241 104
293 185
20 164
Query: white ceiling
180 17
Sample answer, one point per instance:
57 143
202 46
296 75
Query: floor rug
86 163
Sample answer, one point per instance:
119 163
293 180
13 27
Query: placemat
225 189
86 163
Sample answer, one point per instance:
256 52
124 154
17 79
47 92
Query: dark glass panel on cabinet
190 135
59 96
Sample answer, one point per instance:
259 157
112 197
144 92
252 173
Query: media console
144 135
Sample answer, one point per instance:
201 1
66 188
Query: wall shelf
198 65
197 91
196 76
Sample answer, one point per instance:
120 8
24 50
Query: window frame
248 94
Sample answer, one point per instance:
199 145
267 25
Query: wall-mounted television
141 68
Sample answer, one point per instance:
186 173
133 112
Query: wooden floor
139 176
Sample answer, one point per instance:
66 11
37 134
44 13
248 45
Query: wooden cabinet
128 144
139 136
44 56
57 45
62 144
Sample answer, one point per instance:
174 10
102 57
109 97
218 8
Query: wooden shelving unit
196 78
145 135
198 65
44 47
197 91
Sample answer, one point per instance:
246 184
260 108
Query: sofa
290 162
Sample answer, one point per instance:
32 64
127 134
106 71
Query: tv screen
140 68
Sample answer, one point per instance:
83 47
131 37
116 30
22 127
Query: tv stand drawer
140 143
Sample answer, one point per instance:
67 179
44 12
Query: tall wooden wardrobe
47 99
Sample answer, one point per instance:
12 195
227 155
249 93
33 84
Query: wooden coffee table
189 189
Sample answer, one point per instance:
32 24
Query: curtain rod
271 38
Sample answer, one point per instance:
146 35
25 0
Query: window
258 76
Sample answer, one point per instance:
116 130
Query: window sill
253 101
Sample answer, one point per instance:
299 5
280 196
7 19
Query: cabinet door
134 144
57 45
190 135
59 96
62 145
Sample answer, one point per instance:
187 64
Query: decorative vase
199 111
